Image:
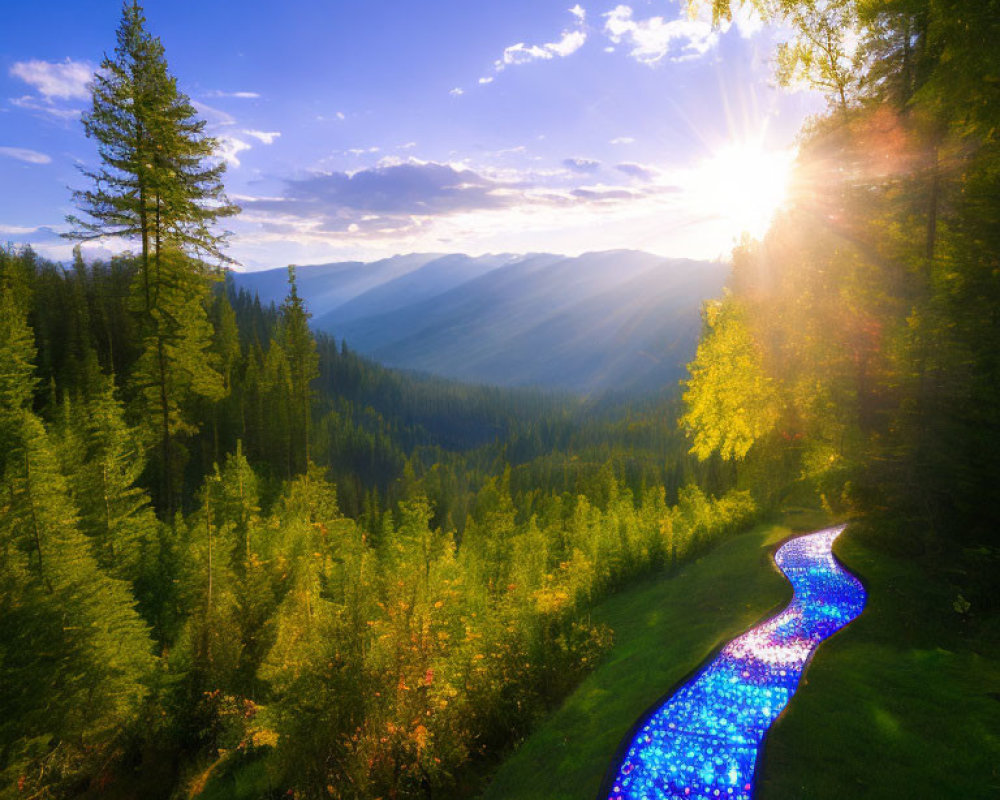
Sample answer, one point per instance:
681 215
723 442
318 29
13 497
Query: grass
664 627
234 777
905 703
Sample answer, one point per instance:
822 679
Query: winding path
703 741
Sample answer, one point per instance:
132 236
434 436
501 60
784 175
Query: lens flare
744 184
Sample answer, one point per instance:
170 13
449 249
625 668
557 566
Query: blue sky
363 128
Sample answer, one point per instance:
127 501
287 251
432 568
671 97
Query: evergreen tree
177 366
303 364
153 184
114 509
74 654
17 350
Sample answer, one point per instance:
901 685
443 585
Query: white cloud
31 103
237 95
360 151
582 164
622 140
15 230
381 211
229 147
341 115
520 53
267 137
213 116
654 38
61 80
485 80
508 151
57 83
569 42
457 92
640 172
26 155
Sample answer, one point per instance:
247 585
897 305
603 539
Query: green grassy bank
664 627
905 703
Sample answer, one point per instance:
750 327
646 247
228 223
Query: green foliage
664 627
114 510
298 344
385 651
17 346
176 365
824 54
153 183
870 302
731 402
75 655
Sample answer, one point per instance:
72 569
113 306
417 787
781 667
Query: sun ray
744 183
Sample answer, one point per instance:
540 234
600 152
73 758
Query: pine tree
74 654
303 362
157 184
177 366
277 408
238 503
114 510
17 350
154 184
226 413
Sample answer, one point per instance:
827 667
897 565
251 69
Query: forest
229 542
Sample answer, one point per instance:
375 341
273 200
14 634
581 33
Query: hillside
328 286
617 320
862 726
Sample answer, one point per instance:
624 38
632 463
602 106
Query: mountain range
618 320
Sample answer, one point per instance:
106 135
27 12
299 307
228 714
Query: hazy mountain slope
619 319
474 303
433 278
327 286
638 336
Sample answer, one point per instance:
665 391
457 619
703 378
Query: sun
743 184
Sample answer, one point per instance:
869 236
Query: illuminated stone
703 740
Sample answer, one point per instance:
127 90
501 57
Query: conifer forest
239 558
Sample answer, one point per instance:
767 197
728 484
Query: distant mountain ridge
615 320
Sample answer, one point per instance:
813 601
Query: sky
358 129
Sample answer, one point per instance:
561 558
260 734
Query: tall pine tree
158 183
303 362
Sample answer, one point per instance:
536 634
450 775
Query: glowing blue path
703 741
